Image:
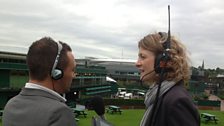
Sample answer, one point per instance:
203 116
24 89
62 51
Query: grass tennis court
132 117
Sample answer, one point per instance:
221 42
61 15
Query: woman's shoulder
177 92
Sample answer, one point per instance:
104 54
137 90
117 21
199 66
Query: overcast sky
112 28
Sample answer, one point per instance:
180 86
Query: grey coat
34 107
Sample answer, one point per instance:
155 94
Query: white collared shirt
37 86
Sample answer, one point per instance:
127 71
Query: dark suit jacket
176 108
34 107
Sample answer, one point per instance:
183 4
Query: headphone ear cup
158 59
57 74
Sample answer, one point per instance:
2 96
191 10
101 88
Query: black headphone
56 73
162 58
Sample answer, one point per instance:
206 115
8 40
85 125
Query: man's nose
74 75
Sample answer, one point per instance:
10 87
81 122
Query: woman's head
151 46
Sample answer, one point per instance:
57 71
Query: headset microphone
141 79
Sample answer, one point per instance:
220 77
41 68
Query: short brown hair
41 57
179 62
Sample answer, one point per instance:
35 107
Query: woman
173 106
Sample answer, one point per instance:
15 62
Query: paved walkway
214 98
222 105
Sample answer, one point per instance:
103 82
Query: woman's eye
141 57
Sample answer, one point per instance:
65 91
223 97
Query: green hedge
120 102
126 102
209 103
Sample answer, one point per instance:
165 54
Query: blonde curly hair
179 61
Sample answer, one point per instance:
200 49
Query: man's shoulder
38 93
36 104
12 101
44 99
38 98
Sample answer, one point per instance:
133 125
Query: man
51 70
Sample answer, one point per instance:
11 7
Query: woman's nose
137 63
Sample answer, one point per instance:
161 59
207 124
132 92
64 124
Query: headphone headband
165 40
57 58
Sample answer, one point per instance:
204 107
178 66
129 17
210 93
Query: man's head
41 58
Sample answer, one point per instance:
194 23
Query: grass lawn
128 117
132 118
219 115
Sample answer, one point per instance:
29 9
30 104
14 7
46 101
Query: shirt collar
37 86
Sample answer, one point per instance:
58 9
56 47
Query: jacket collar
38 92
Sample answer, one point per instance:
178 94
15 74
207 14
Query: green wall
18 81
4 78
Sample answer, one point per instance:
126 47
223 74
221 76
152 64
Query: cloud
112 28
